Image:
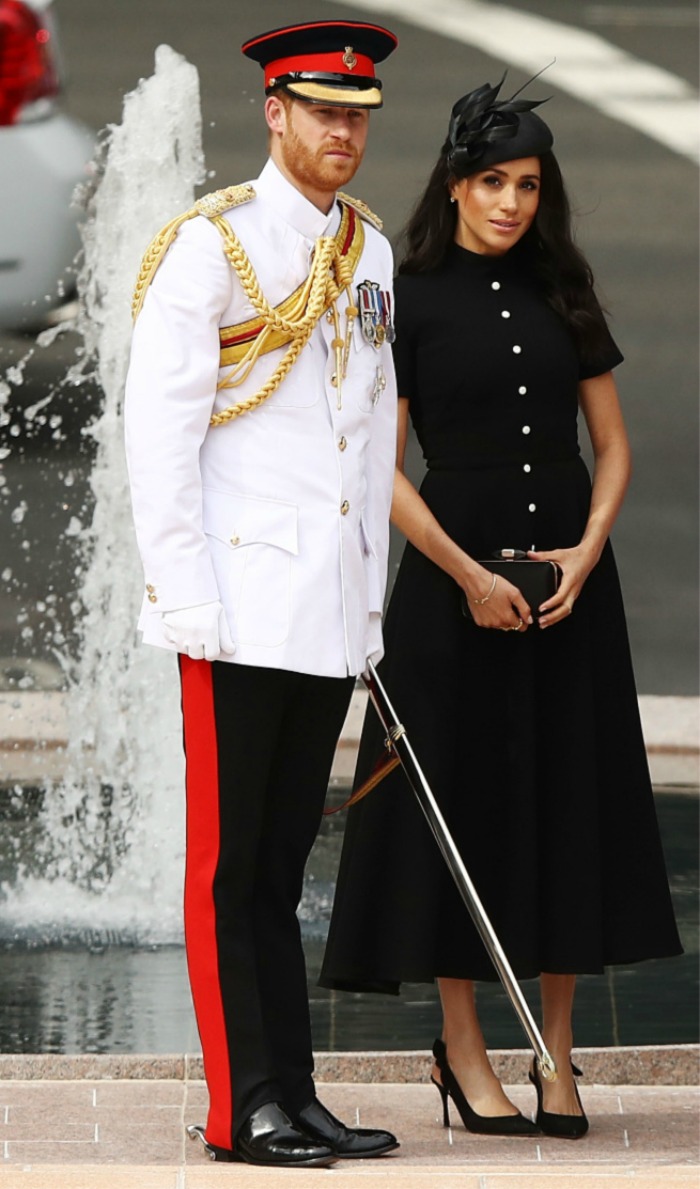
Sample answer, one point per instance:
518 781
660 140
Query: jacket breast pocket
253 542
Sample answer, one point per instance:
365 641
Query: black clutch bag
536 580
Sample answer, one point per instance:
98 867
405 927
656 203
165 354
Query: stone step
33 737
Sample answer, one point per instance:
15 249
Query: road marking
637 93
629 15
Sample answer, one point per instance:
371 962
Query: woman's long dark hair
560 266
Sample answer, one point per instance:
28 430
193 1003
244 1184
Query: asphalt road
637 207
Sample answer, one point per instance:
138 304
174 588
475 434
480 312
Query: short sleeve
605 356
404 346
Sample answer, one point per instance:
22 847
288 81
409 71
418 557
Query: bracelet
480 602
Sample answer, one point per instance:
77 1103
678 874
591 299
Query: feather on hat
485 130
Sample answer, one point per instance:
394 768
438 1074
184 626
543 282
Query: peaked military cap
324 61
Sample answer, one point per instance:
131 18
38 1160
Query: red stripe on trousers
200 869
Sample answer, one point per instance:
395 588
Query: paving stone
70 1135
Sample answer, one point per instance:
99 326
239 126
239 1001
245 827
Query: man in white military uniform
260 419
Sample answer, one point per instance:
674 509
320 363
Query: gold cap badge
349 58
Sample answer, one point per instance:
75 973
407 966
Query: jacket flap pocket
240 520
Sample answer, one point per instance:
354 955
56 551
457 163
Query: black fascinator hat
485 130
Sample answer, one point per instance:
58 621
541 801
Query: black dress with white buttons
531 741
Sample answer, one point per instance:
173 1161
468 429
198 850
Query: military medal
375 314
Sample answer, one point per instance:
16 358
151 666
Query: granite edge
647 1065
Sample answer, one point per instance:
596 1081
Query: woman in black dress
524 719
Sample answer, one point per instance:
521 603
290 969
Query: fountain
109 856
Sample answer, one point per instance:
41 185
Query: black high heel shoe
559 1126
478 1124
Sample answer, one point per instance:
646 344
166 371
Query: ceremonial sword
397 739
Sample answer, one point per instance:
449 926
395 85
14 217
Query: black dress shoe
559 1126
350 1143
269 1137
449 1087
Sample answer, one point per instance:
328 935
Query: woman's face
497 206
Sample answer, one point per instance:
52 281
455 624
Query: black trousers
259 747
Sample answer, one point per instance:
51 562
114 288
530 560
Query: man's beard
315 169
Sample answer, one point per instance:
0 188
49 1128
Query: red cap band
345 62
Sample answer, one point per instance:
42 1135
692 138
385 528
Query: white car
43 156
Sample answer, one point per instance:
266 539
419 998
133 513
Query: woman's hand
575 565
504 607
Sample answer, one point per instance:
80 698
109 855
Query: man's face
321 147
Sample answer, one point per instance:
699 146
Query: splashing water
110 858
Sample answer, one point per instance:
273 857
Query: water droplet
17 515
74 527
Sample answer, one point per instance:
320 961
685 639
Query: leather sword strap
383 768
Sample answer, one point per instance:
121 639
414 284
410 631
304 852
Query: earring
452 198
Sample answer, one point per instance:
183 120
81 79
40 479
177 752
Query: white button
235 540
527 468
522 390
526 429
517 349
531 507
505 313
495 284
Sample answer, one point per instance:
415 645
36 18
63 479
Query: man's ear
275 114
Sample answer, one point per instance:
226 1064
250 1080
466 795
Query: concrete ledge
34 736
647 1065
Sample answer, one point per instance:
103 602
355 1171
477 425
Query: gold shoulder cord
209 205
330 274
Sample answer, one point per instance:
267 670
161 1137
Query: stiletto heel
445 1099
478 1124
559 1126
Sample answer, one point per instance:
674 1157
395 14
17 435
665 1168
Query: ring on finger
516 627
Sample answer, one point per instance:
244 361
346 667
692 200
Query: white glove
375 643
201 632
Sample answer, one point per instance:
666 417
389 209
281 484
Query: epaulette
215 204
212 206
362 209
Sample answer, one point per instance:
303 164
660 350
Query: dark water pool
89 997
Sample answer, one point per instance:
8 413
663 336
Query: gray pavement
88 1134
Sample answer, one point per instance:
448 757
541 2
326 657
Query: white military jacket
283 512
